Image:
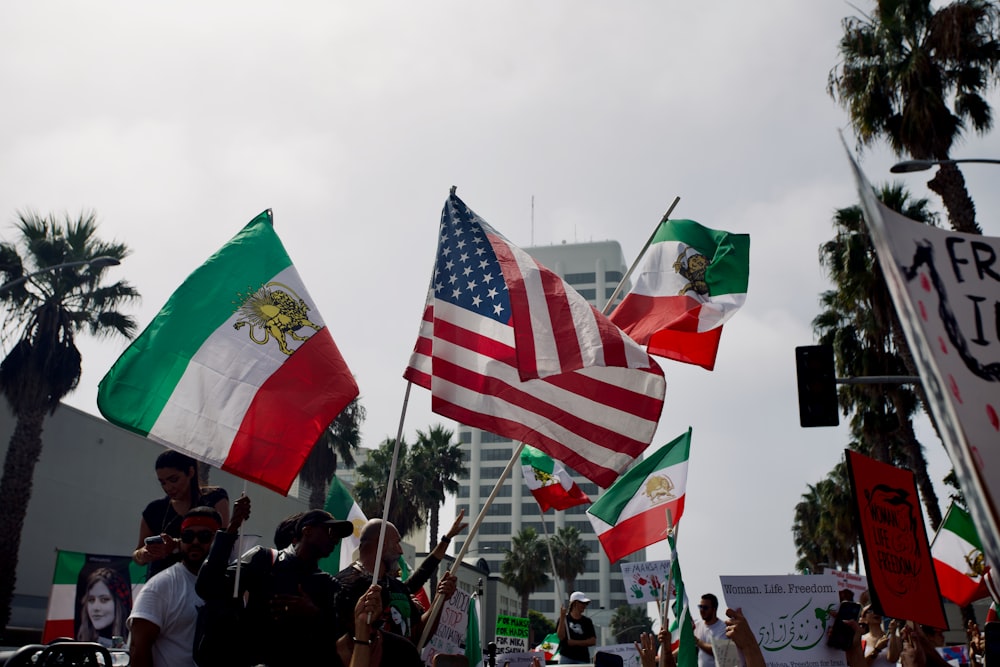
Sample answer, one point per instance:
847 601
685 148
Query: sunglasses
703 606
203 536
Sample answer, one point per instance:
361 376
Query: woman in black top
178 476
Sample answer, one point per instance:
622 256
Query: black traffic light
817 386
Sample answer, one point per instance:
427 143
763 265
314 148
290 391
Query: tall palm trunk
949 184
433 528
23 451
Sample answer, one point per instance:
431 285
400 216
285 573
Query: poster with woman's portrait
92 597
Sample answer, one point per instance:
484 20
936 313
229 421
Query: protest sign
82 583
849 581
518 659
511 634
946 289
789 616
644 580
453 623
630 657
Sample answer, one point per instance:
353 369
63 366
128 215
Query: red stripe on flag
692 348
641 530
56 628
524 335
957 586
554 293
289 412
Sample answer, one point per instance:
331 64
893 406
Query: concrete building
594 270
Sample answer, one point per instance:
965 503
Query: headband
199 522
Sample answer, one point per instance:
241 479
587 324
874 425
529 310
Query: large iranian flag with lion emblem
634 512
238 369
692 281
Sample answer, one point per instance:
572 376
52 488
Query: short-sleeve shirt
170 602
160 516
581 628
706 633
400 613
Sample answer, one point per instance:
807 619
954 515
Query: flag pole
670 573
473 529
239 548
642 253
388 488
552 560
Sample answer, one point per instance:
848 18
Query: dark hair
205 511
121 593
184 463
284 534
714 601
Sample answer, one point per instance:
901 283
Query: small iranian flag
693 280
958 558
682 625
237 369
342 505
632 513
549 482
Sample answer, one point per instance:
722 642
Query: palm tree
860 322
406 511
338 441
520 567
824 528
570 555
436 463
45 312
915 76
628 622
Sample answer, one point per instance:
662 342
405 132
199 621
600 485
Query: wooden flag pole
552 560
642 253
473 529
664 617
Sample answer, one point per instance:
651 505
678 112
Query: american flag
506 346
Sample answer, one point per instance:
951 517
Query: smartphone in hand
153 539
842 635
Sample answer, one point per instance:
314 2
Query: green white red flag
693 280
633 512
682 625
549 482
342 505
237 369
958 558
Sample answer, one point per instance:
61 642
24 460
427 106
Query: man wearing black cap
290 616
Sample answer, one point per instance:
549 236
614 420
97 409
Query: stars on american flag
467 272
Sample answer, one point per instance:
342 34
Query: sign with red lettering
901 579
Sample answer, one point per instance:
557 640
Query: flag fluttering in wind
958 558
508 347
237 369
693 280
632 514
682 625
342 505
549 482
473 647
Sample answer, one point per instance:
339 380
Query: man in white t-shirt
708 627
165 612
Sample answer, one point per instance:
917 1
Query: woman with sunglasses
160 527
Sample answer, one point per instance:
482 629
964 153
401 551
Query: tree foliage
521 568
570 555
45 310
337 442
405 512
628 622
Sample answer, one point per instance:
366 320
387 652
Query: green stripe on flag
610 505
729 254
68 566
960 522
536 458
206 299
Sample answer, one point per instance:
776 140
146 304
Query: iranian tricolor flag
237 369
958 558
549 482
682 626
76 572
693 280
342 505
633 513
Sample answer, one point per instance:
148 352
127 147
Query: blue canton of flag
506 346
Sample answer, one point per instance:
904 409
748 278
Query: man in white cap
576 632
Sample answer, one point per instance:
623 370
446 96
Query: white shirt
704 632
170 602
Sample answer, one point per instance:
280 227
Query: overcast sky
179 122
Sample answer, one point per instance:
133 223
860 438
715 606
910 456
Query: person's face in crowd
577 609
870 619
100 606
706 609
391 551
195 543
175 483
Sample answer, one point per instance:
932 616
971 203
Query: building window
485 490
613 277
465 437
588 293
581 278
495 528
463 492
500 509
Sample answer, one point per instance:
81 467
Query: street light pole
907 166
97 263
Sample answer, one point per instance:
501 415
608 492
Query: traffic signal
817 386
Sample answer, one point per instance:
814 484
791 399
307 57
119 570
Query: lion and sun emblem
277 312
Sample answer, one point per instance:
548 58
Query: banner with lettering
630 657
450 635
901 578
643 581
511 634
946 287
849 581
789 615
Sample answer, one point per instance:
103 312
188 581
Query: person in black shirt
576 632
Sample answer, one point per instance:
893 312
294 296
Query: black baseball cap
340 529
